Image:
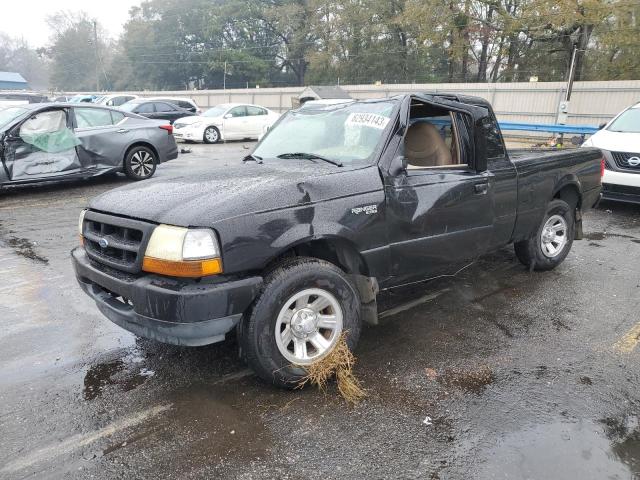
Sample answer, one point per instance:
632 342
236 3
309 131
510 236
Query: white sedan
619 141
228 121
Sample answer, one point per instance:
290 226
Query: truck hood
615 141
234 191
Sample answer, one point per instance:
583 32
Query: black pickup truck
291 246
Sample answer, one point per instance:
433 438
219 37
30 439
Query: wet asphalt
497 373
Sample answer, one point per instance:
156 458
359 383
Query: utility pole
95 44
572 74
563 106
224 76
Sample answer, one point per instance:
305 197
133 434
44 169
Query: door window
164 107
253 111
145 108
117 117
48 132
93 117
238 112
432 138
495 147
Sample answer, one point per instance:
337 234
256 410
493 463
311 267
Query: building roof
319 92
12 77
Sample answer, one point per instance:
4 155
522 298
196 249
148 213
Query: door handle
122 130
481 188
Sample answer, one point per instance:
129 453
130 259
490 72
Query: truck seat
425 147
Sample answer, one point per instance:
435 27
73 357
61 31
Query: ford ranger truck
337 202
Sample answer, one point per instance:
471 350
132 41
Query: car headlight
80 223
182 252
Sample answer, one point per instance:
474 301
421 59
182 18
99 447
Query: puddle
102 375
208 424
582 449
473 381
25 248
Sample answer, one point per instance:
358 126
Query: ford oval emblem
634 161
103 242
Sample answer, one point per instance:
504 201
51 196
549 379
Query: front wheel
305 306
140 163
211 135
551 242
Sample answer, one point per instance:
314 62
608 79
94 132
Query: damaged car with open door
336 203
47 142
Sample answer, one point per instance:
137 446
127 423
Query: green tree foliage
184 44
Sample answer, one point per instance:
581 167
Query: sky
26 18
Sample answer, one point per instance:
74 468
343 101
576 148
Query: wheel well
340 252
570 194
141 144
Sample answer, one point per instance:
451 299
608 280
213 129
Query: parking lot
494 373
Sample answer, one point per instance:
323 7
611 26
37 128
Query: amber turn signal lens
186 268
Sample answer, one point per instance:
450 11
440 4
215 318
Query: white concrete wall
591 103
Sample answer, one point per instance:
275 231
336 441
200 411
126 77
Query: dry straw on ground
339 364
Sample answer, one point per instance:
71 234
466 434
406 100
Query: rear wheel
305 306
140 163
551 242
211 135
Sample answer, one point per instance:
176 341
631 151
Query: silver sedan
45 142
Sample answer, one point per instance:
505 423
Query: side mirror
228 115
602 125
398 165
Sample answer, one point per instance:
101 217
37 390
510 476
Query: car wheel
304 307
140 163
211 135
553 239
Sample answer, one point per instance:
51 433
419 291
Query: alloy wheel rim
308 326
142 163
553 237
211 134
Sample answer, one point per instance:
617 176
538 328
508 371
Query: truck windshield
628 122
345 134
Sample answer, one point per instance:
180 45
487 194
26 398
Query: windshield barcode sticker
367 119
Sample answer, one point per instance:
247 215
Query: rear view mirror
602 125
228 115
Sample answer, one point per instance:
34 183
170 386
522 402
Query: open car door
441 198
43 146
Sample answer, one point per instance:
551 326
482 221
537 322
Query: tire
140 163
310 282
546 250
211 135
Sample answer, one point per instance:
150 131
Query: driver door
441 204
41 147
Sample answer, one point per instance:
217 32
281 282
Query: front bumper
177 311
621 193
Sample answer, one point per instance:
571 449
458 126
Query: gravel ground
496 373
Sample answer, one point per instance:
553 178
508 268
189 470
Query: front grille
622 160
116 241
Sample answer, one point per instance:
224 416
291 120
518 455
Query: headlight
80 222
182 252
